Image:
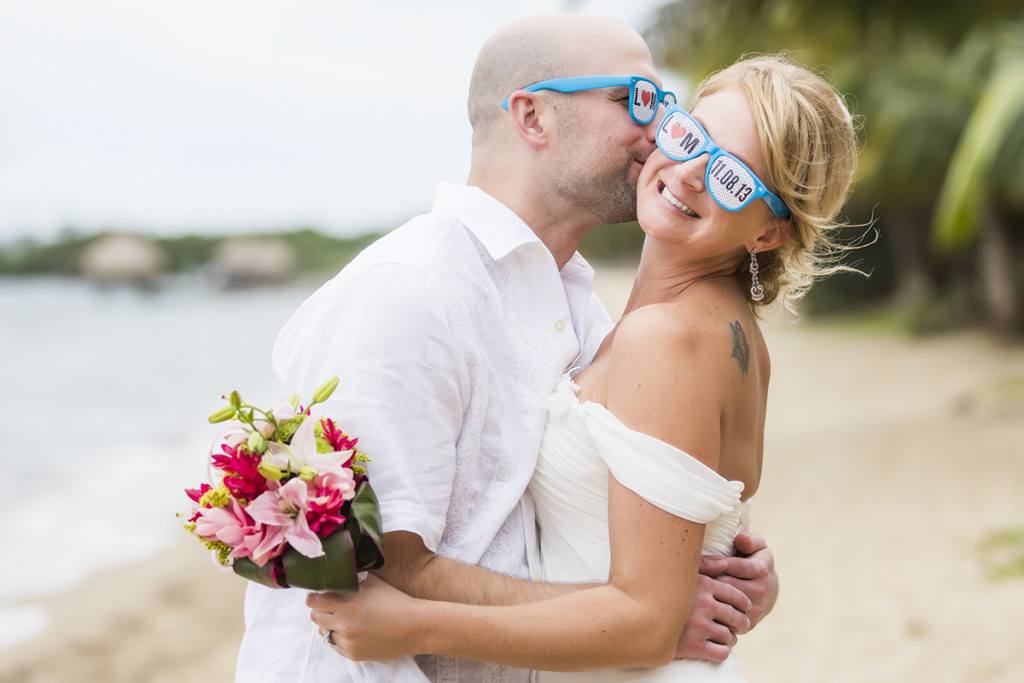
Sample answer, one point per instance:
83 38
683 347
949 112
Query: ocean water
104 394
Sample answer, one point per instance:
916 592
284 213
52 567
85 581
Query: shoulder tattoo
740 348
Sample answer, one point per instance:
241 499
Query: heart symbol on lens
646 97
679 130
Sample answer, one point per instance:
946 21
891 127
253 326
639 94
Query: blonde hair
809 145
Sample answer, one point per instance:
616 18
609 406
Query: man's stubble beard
610 195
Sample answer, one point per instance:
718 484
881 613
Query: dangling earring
756 290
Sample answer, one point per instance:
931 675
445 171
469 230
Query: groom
449 334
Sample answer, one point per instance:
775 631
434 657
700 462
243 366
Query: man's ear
778 232
529 114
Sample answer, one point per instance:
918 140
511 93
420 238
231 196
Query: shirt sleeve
385 332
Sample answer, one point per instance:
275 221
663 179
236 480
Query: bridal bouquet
287 503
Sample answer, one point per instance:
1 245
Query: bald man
450 333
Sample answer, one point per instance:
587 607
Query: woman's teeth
678 204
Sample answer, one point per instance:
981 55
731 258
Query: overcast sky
175 116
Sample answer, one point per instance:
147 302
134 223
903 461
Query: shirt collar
497 227
502 232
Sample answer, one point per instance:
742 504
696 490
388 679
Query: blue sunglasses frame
777 206
578 83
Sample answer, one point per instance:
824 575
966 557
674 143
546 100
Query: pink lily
335 483
229 524
284 514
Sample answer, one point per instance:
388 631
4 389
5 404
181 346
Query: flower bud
324 391
235 399
307 473
257 444
223 415
270 471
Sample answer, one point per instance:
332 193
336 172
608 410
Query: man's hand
717 615
733 595
751 571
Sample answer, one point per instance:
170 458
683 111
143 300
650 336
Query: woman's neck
663 276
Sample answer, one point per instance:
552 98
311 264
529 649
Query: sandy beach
888 462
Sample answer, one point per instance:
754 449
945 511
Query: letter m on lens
689 143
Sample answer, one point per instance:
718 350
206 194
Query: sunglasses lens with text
730 183
645 101
680 138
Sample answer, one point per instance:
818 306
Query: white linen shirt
448 335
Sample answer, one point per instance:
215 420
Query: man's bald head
537 49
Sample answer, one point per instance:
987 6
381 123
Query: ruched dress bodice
582 443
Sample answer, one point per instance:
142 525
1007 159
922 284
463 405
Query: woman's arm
633 620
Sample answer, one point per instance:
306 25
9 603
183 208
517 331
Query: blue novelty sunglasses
644 95
731 183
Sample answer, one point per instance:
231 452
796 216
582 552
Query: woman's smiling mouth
678 204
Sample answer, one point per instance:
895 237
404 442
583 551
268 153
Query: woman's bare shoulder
695 326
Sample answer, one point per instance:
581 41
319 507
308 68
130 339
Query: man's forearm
415 570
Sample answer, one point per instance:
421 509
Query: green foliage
28 257
1003 554
315 252
911 134
846 293
998 114
939 91
698 36
1009 389
188 253
613 243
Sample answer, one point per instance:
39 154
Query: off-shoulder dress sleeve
660 473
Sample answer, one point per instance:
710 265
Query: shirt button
539 251
559 326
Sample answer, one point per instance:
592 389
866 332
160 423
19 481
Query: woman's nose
693 171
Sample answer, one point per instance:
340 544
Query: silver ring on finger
327 638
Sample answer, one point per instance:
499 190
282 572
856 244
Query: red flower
241 473
338 439
196 494
324 514
323 523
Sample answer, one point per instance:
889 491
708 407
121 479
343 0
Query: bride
652 454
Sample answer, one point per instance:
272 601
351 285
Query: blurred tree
318 254
986 173
917 73
916 108
699 36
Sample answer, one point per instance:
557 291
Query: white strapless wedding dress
582 443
